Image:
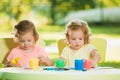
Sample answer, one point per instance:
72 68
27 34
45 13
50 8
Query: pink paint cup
87 63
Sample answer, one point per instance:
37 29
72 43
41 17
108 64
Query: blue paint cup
79 64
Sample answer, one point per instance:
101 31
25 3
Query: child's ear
67 39
15 39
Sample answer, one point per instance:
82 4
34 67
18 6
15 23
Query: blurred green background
51 16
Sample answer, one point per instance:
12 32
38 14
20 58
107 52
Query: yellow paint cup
34 63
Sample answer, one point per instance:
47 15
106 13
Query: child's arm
95 57
46 60
13 62
63 59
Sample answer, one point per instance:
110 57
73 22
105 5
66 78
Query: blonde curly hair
78 24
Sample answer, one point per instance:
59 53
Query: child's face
27 41
76 39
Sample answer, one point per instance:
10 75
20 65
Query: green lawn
52 33
54 56
107 31
110 64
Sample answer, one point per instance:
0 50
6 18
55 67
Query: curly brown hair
25 26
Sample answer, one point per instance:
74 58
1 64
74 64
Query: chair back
6 44
99 43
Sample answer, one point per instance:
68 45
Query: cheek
82 42
72 42
21 44
32 43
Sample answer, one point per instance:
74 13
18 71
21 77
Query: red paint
87 63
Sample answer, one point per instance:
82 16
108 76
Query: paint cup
60 63
34 63
87 63
79 64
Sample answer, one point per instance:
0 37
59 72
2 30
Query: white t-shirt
82 53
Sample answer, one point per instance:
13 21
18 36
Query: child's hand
41 59
9 64
45 60
14 62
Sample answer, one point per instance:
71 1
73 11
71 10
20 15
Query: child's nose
26 43
77 41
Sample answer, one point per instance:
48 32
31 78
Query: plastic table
100 73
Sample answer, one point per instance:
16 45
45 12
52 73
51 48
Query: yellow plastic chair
99 43
6 44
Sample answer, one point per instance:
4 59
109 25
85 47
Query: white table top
99 73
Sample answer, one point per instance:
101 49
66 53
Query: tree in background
11 11
53 9
60 8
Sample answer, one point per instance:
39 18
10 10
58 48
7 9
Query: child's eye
21 41
80 39
73 39
29 40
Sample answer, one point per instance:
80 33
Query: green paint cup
60 63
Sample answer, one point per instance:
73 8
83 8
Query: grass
110 64
52 33
108 31
54 56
